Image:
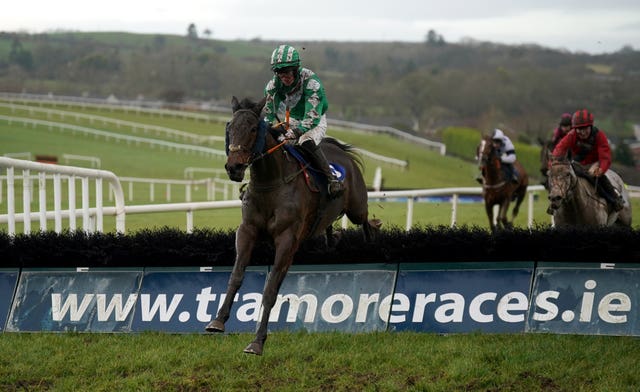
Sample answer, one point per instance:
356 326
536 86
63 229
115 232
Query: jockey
507 153
589 146
564 126
296 95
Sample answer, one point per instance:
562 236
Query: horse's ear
235 105
260 105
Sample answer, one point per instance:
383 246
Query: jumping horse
575 201
498 190
280 205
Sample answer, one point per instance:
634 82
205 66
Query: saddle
312 175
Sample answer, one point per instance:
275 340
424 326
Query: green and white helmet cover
284 56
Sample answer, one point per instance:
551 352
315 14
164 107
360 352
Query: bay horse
575 201
498 190
279 205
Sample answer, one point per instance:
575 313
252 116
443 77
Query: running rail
58 171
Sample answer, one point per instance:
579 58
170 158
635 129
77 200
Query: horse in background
498 190
281 204
545 157
575 201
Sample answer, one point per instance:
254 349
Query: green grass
403 361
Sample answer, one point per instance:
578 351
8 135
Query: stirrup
335 188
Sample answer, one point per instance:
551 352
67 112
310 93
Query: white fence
133 126
116 136
92 218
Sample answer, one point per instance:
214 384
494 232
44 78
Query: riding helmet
581 118
565 120
284 56
498 135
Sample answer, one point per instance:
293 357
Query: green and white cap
284 56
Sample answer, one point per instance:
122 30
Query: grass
297 361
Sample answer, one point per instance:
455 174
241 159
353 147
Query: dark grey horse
575 201
278 204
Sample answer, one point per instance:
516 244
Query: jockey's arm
604 152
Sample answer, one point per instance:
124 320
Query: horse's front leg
488 207
246 236
286 245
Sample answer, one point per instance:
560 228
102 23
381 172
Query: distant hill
420 87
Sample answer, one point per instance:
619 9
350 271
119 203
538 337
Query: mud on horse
279 205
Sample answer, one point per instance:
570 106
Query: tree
434 39
20 56
192 32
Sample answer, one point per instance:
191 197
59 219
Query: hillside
421 87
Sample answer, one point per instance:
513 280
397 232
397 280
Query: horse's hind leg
245 241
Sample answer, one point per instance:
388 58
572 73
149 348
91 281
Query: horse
279 205
575 201
496 189
545 157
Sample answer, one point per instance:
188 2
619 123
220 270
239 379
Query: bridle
484 160
255 153
564 191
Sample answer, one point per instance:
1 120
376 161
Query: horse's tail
349 149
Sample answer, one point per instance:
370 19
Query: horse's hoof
215 326
253 348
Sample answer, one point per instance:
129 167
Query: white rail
134 126
116 136
11 217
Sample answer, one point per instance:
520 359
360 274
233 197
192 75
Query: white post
409 212
190 221
26 201
42 192
454 210
11 208
151 191
86 223
72 202
57 203
99 213
530 210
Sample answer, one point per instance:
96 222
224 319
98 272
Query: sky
591 26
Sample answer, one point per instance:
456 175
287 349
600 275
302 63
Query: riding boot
610 193
479 179
320 162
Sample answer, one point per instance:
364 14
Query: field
427 169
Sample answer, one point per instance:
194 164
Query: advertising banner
461 297
95 300
586 299
186 300
349 298
8 280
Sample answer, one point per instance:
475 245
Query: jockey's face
583 132
286 75
565 128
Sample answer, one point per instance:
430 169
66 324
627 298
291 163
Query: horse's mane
348 148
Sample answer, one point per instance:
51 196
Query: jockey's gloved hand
289 135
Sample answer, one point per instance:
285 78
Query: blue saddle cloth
338 171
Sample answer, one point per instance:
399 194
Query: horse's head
242 136
562 178
485 152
